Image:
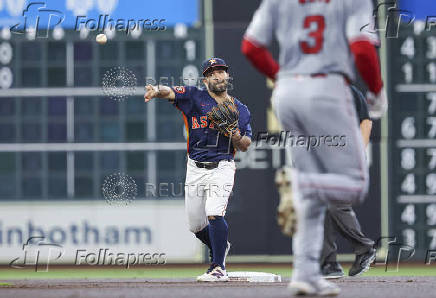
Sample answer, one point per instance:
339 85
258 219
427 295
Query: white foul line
416 199
420 143
40 147
63 92
415 88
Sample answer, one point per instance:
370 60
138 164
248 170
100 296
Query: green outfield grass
172 271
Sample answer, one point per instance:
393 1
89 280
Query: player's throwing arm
158 92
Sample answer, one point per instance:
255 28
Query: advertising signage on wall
65 13
94 233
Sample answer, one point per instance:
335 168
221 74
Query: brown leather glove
286 215
224 117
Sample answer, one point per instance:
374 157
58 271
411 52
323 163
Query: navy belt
209 165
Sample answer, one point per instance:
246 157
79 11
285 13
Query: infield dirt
351 287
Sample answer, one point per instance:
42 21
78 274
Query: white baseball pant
207 192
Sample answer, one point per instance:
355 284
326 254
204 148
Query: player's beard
218 87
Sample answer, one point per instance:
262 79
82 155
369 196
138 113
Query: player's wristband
238 131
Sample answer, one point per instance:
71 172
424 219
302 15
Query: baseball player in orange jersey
320 43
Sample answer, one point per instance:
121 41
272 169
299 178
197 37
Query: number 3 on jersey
317 35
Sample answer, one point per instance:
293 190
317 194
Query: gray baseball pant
319 108
341 218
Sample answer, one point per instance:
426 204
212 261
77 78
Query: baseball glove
224 117
286 216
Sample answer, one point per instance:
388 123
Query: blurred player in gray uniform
341 217
318 40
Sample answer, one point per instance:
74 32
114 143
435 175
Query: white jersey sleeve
360 21
262 25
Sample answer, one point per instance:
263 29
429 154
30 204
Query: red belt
318 75
312 75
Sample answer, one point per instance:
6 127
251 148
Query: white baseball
101 38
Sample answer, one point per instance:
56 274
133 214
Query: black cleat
331 270
362 263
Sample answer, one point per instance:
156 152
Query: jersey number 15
317 35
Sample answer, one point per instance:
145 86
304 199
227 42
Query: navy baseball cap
208 64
